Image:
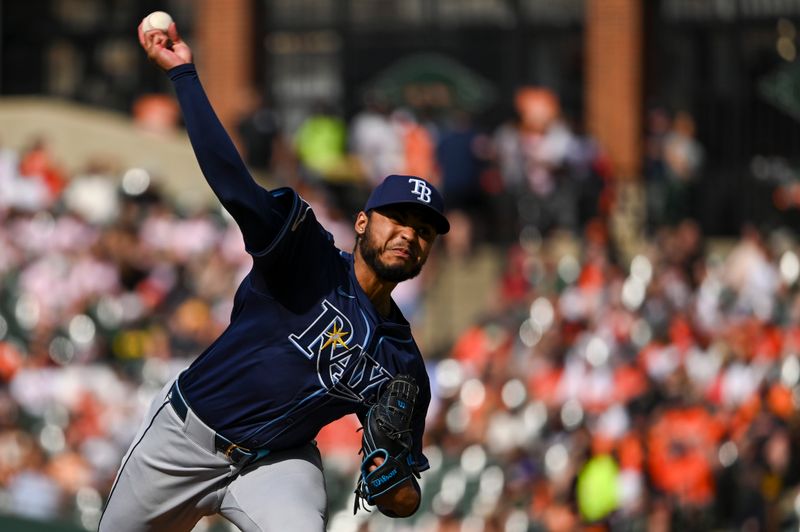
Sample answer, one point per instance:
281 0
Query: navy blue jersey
305 345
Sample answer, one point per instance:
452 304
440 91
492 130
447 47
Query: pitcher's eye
425 231
394 215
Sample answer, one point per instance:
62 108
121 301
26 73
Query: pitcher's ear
361 223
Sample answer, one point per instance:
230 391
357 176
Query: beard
370 251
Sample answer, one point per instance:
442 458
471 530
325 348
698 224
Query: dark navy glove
387 434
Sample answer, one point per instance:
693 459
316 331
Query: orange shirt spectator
37 163
682 444
419 152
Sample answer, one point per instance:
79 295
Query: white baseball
157 20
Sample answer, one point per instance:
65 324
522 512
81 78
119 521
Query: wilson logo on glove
384 478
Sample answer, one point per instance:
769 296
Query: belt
236 453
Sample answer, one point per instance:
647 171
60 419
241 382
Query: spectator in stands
534 161
375 141
683 158
259 130
37 163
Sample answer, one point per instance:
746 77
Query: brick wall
613 91
224 56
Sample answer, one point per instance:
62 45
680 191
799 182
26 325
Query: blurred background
612 327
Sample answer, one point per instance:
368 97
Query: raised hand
165 49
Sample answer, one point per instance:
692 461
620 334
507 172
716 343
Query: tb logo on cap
421 190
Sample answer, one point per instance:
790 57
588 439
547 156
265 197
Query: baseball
157 20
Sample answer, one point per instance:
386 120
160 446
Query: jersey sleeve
256 211
299 237
299 264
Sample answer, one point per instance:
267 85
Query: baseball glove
387 434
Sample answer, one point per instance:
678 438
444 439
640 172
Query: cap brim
437 219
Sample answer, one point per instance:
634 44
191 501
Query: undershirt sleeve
259 216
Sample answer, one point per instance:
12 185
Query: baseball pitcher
314 335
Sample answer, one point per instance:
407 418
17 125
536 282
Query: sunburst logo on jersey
335 337
343 367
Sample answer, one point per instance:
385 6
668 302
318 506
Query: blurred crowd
576 385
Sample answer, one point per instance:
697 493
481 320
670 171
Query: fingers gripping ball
157 20
387 435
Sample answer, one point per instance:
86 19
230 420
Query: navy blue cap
410 190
